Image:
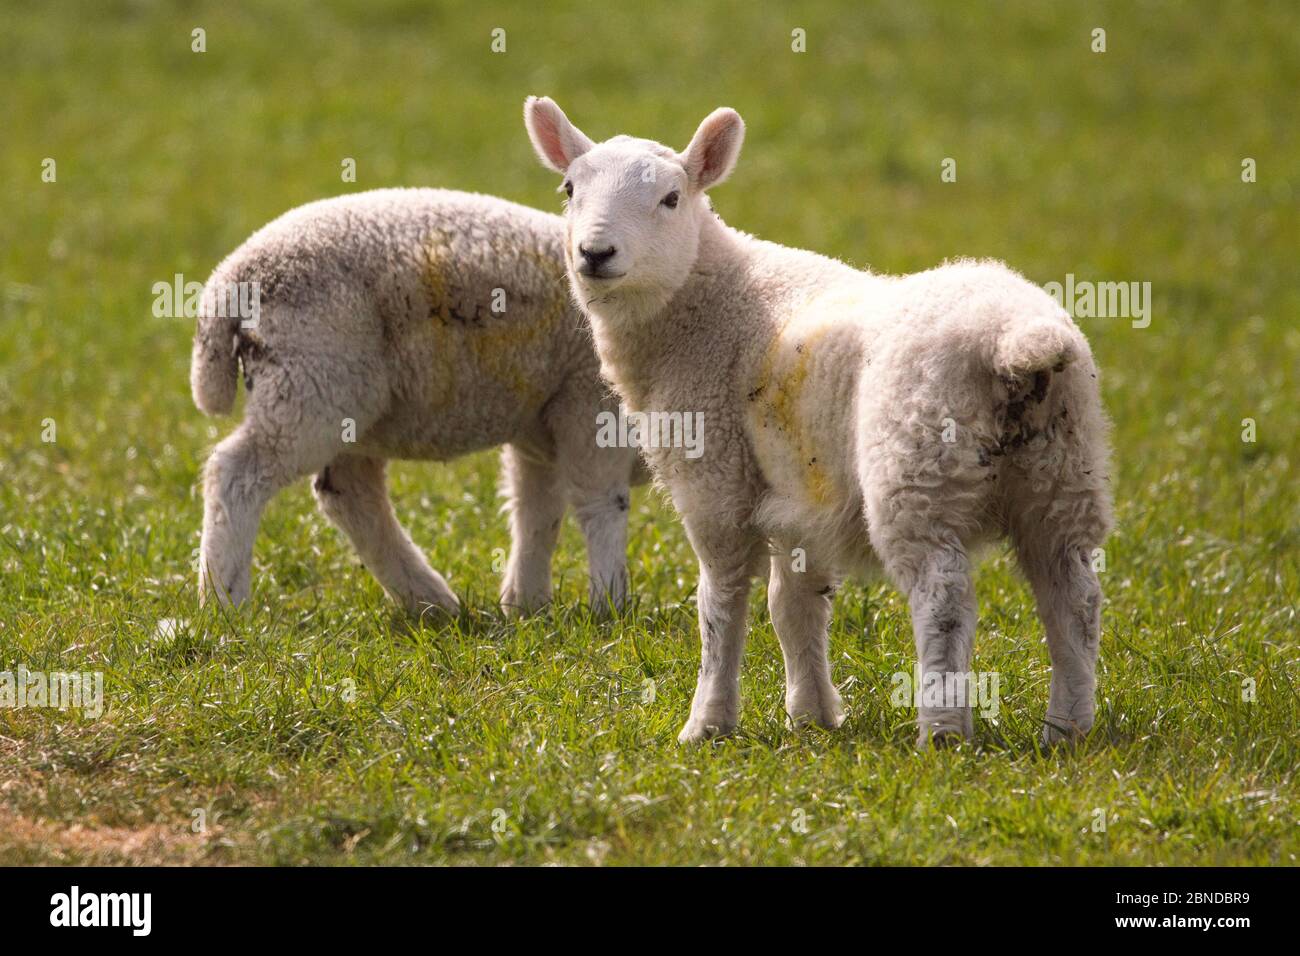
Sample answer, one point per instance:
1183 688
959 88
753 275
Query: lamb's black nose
595 258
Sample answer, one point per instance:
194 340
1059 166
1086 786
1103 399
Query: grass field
322 727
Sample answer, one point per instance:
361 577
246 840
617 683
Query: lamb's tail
214 364
1037 344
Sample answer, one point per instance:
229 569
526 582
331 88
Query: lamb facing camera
860 420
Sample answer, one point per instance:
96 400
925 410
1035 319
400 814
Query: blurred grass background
1115 166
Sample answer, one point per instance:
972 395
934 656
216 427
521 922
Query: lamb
853 421
407 323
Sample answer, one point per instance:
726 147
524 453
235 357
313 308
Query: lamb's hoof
698 730
516 602
940 739
947 731
1062 732
827 713
226 595
433 611
607 601
517 608
945 727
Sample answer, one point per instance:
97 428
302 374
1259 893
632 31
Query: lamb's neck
636 334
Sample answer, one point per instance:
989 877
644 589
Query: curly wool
408 323
850 419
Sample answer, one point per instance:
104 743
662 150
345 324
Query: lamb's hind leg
352 494
291 429
1069 602
1058 510
536 506
602 516
942 602
238 481
244 472
928 562
800 604
597 481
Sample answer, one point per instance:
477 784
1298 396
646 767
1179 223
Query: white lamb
403 323
843 412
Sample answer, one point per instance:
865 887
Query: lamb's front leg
723 597
800 604
532 490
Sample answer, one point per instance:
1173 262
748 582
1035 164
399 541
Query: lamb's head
635 207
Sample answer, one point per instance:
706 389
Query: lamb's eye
670 200
568 188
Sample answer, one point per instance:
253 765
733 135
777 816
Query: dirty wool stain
779 391
494 344
445 345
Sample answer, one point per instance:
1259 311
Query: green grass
1121 166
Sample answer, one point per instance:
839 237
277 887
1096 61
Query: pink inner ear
715 153
548 136
715 146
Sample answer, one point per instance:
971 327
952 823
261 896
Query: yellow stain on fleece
444 344
780 389
495 347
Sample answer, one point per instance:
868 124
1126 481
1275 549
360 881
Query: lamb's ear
557 141
714 148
